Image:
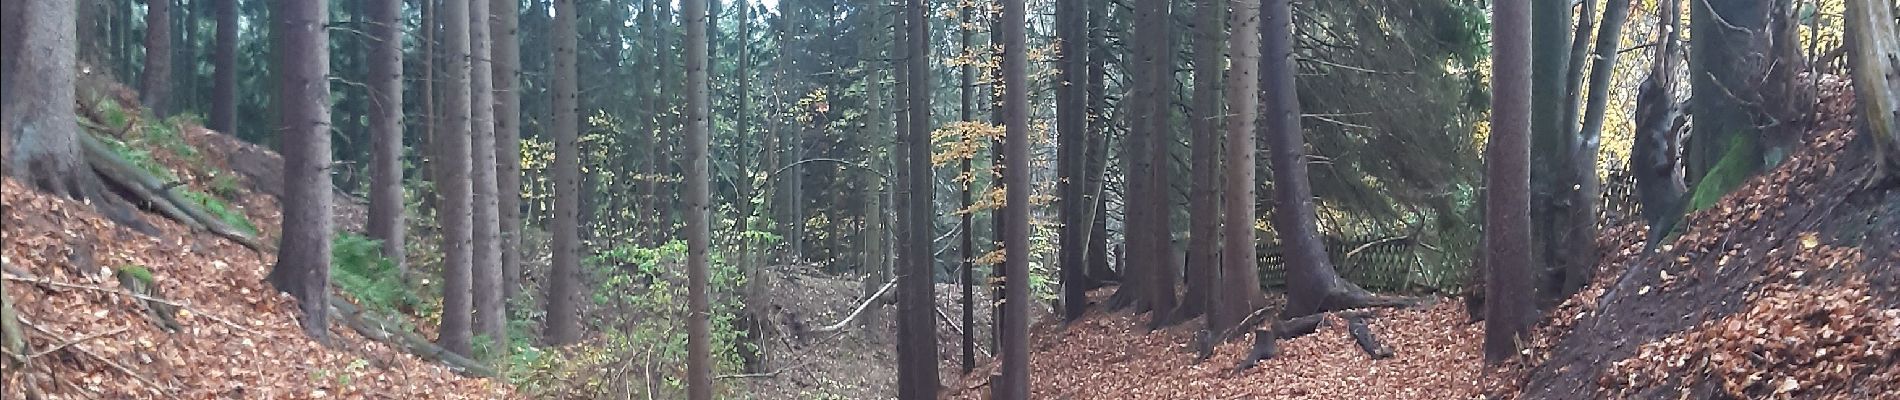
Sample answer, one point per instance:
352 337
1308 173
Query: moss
218 208
138 273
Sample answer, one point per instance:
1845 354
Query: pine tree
303 109
1508 277
455 187
386 220
563 323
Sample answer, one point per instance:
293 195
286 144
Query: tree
155 81
966 220
1313 285
1015 338
1071 155
564 277
507 80
1653 160
916 311
1240 282
1553 181
1872 40
303 100
698 206
38 132
455 212
1507 166
224 94
1149 188
1204 209
385 122
490 317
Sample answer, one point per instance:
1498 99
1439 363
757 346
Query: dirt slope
236 337
1789 287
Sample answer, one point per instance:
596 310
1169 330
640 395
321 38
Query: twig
766 374
50 282
108 361
1355 251
959 330
846 322
74 342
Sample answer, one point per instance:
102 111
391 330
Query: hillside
229 335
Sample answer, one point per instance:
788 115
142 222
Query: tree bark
1313 285
1015 339
1240 283
455 214
1071 156
303 99
507 80
39 134
1581 252
1156 195
1204 208
491 319
916 327
698 206
564 278
966 220
224 77
1552 179
1507 203
386 218
1872 43
155 81
1659 184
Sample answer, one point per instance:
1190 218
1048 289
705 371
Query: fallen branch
69 343
846 322
114 364
148 191
765 374
378 329
1363 334
958 330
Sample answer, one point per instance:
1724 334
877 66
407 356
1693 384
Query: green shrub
218 208
358 267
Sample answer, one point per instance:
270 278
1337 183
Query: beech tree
563 323
303 109
1872 44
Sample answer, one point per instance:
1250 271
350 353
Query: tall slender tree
490 318
303 109
1240 282
1071 156
1015 340
916 326
966 112
564 277
1507 169
455 187
1204 210
698 205
385 122
507 80
1312 284
155 80
224 74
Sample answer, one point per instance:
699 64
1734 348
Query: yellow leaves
1809 240
958 141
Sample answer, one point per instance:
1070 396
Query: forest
950 199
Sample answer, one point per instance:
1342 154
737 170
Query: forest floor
235 336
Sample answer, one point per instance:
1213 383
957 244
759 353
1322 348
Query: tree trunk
698 206
1240 282
455 214
1312 284
1719 71
1015 339
966 112
155 81
1071 155
490 318
386 219
1581 252
39 135
1659 184
1204 208
1507 204
507 80
224 78
564 279
1154 196
1872 43
1099 127
916 327
1552 179
303 99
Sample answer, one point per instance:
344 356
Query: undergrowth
357 266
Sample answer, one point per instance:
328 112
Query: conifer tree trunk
1552 178
155 81
1154 29
1507 228
1015 339
698 205
1204 208
303 109
1312 284
966 112
1071 155
456 210
490 319
386 219
1240 278
916 311
224 76
564 279
507 80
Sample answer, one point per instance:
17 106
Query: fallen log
1362 334
149 193
378 329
